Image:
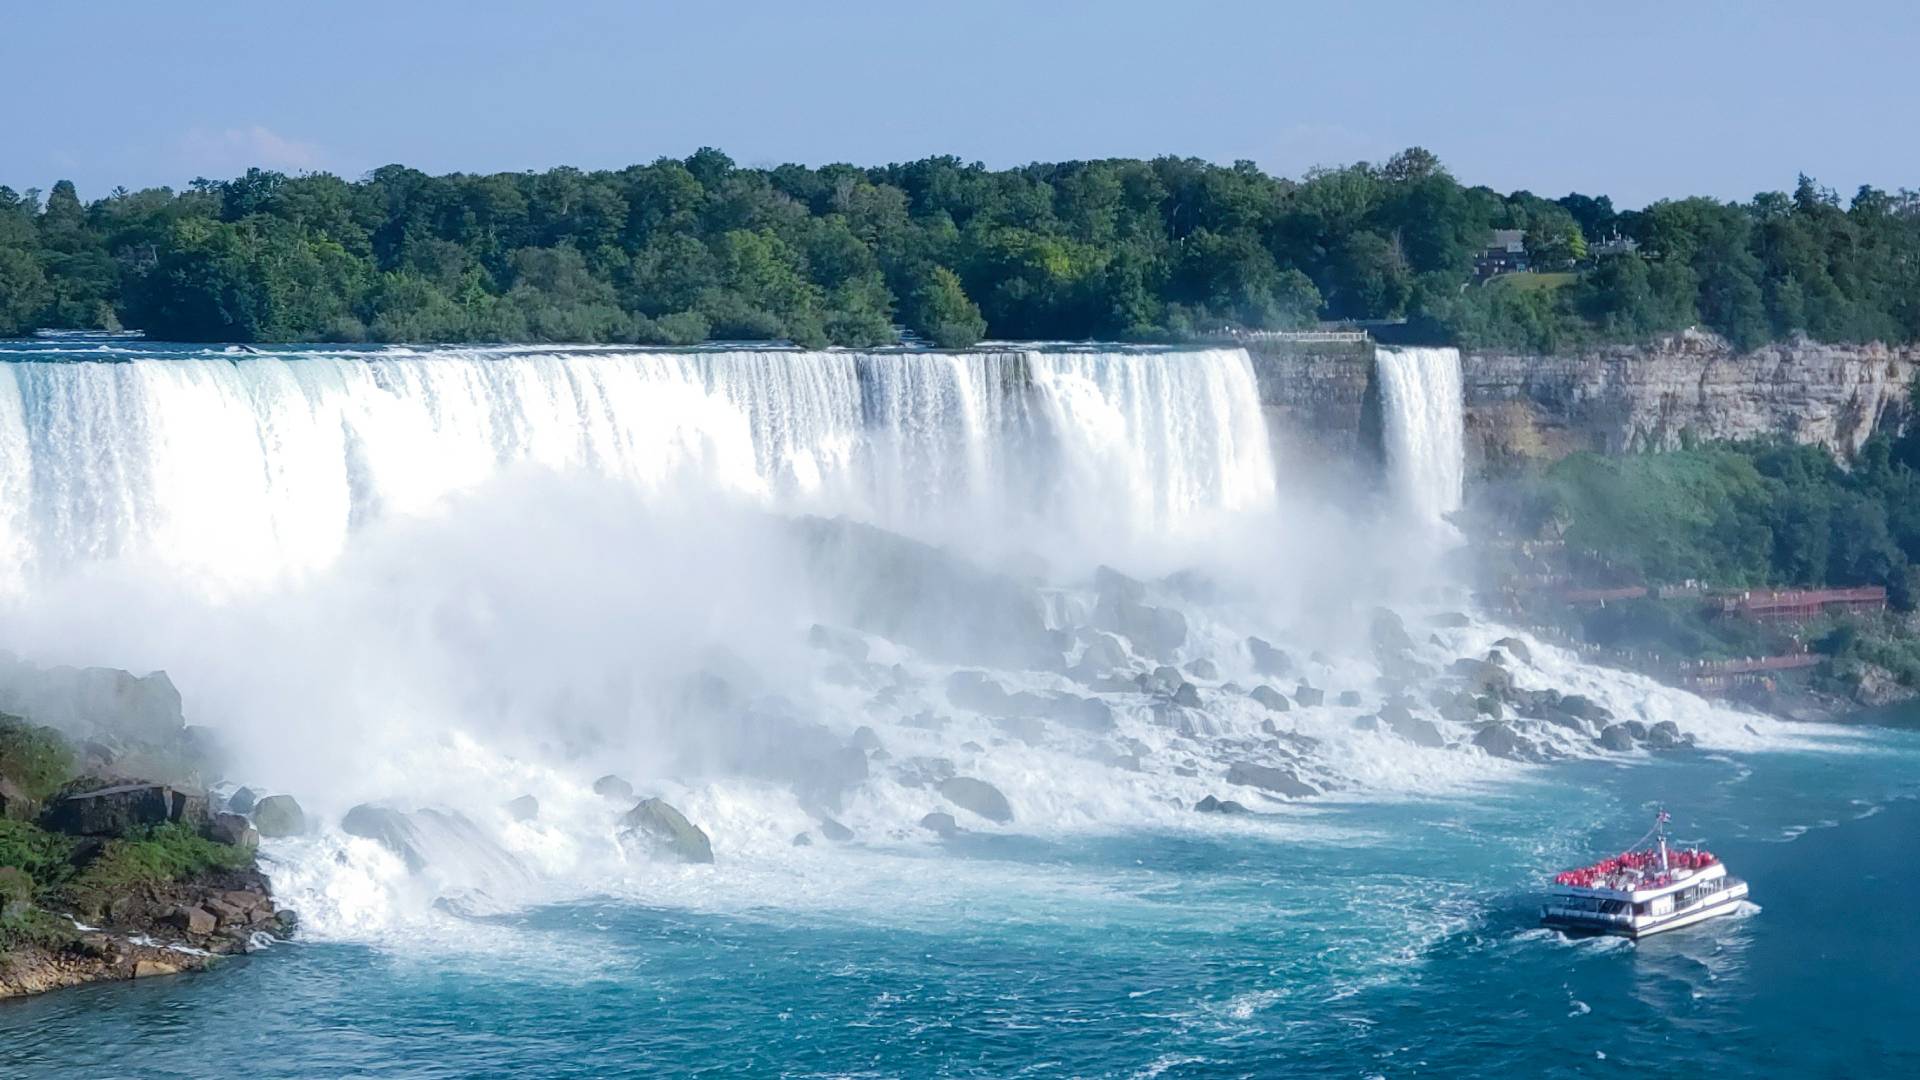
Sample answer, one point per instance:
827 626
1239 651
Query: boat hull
1724 902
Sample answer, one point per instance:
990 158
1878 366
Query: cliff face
1690 386
1323 404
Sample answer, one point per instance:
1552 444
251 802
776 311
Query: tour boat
1643 891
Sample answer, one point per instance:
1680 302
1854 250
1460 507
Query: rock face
1685 386
978 796
279 815
668 831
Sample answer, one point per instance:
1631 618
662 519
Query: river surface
1383 939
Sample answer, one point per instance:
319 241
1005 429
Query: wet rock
1419 731
1271 698
1269 778
1666 735
1154 631
1585 708
1211 805
865 738
1495 656
924 771
1450 620
930 599
802 840
973 747
1079 713
242 800
1187 696
1104 652
387 827
1350 698
842 643
835 831
1516 648
1185 770
926 721
1388 632
941 824
234 829
668 831
1483 676
121 809
1489 706
613 787
194 920
1637 729
1458 708
1308 696
1616 737
1502 741
1268 660
1027 730
978 796
1204 668
524 808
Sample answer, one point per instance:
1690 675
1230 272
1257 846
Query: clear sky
1637 100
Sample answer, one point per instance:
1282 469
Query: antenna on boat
1660 830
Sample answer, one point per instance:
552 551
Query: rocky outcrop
122 809
667 831
1269 778
978 796
1688 386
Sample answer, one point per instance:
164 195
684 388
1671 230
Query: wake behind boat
1643 891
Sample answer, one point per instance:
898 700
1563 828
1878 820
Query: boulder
1268 660
1516 648
940 823
1502 741
802 840
120 809
279 815
1269 778
924 771
613 787
524 808
667 831
1666 735
1450 620
1027 730
1080 713
1121 609
234 829
1350 698
978 796
865 738
1187 696
835 831
1104 652
1388 632
1585 708
1484 676
1211 805
1307 696
242 800
842 643
1637 729
1616 737
1271 698
1203 668
1414 729
194 920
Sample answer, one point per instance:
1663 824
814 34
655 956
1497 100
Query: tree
23 292
940 311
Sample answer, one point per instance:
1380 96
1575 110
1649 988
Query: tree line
682 251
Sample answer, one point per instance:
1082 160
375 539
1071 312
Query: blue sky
1637 100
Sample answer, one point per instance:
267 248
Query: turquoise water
1345 941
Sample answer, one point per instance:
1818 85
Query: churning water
782 589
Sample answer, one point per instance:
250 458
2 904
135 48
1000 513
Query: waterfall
1420 401
238 469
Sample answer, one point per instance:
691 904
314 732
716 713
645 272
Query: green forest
682 251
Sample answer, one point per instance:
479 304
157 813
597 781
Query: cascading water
445 578
1420 398
245 469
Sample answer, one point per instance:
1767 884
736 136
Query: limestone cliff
1323 401
1690 386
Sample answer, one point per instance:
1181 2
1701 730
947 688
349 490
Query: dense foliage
1738 515
682 251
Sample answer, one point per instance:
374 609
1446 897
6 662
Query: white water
1425 433
445 579
238 473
